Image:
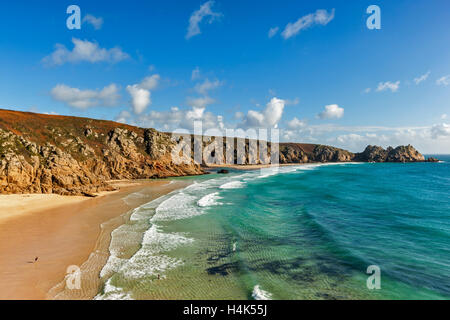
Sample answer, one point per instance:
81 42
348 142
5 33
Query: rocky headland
78 156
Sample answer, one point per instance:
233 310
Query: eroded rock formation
78 156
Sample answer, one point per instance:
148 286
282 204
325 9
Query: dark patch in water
224 269
325 296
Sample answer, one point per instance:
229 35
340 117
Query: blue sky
136 62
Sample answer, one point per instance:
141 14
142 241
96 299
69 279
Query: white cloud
332 111
272 32
320 17
367 90
140 93
97 23
140 98
427 139
83 99
393 86
207 85
195 74
444 116
84 51
440 130
151 82
197 17
176 118
295 123
422 77
268 118
444 81
123 116
238 115
201 102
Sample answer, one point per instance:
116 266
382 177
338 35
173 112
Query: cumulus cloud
320 17
176 118
197 17
367 90
140 98
201 102
444 116
238 115
206 86
151 82
332 111
427 139
97 23
444 81
422 77
269 117
123 116
83 99
440 130
295 123
140 93
272 32
393 86
84 51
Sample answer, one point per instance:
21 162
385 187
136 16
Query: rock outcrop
399 154
63 157
78 156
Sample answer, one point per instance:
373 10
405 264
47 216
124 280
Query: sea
312 231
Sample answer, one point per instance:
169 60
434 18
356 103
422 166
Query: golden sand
63 231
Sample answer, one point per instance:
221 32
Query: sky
312 69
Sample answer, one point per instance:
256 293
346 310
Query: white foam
260 294
233 185
112 292
209 200
150 260
178 206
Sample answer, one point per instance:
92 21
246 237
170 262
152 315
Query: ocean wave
112 292
178 206
149 260
232 185
209 200
260 294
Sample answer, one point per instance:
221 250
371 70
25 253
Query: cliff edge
77 156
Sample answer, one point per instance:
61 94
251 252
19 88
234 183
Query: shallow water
304 232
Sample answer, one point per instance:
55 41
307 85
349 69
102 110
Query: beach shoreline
271 166
63 231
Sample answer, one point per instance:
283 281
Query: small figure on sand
35 260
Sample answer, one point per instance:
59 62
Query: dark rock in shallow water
431 159
223 171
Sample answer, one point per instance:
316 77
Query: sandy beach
62 231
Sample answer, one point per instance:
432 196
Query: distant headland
78 156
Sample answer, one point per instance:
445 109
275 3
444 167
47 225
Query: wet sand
62 235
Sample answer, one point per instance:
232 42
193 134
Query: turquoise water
303 232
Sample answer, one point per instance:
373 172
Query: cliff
77 156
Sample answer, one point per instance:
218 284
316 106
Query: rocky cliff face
77 156
73 156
